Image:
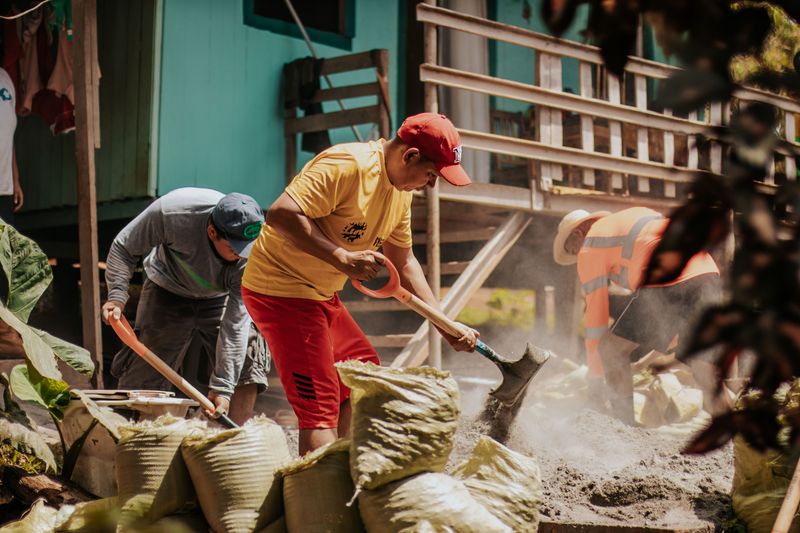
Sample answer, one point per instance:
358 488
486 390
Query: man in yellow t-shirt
348 202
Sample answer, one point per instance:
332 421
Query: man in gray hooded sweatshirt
195 243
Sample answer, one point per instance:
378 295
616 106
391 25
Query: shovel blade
518 374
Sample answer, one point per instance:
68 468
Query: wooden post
87 138
615 129
715 154
670 191
430 55
691 145
790 133
642 134
587 122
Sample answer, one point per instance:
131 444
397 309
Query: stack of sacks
316 491
152 479
403 425
233 472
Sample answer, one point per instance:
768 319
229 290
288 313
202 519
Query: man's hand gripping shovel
516 374
123 329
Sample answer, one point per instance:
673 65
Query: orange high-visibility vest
616 250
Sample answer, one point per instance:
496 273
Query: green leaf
29 386
38 354
26 440
27 272
75 356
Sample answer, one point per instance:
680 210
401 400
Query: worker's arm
137 239
288 219
232 340
19 197
412 278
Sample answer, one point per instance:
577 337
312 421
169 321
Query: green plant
38 381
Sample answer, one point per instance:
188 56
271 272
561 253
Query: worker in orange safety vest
615 249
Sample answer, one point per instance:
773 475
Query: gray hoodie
171 233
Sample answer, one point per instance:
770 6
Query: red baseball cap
437 139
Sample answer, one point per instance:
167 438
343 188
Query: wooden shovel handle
123 329
783 522
393 289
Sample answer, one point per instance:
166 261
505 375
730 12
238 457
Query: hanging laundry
61 79
12 51
30 76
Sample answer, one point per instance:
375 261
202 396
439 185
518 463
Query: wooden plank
381 57
615 129
587 105
359 61
566 48
484 262
375 306
715 154
351 91
670 189
569 527
642 134
466 235
587 122
389 341
691 144
336 119
433 245
789 129
84 20
141 176
570 156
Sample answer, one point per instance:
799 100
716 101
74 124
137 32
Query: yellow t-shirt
346 191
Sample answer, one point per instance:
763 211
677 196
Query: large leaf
27 272
19 431
104 415
75 356
38 354
51 394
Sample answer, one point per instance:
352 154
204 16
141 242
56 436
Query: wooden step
448 268
464 235
374 305
389 341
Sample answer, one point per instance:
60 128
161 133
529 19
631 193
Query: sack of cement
316 489
760 480
438 499
233 473
505 482
403 421
152 480
39 519
278 526
96 516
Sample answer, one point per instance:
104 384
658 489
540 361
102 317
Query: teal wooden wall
221 122
47 163
517 63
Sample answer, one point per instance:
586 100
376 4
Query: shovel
516 374
124 331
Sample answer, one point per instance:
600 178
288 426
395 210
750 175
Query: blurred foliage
10 456
757 42
782 43
505 307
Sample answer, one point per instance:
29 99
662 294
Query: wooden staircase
389 325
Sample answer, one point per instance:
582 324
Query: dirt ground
598 471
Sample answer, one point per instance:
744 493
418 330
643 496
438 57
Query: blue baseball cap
239 218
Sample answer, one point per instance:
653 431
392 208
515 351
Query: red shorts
305 338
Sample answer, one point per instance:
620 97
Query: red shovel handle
392 289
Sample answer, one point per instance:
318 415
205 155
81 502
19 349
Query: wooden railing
650 154
662 157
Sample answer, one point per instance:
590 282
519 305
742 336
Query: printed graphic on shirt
5 95
354 231
377 243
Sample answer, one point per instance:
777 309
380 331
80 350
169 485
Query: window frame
283 27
